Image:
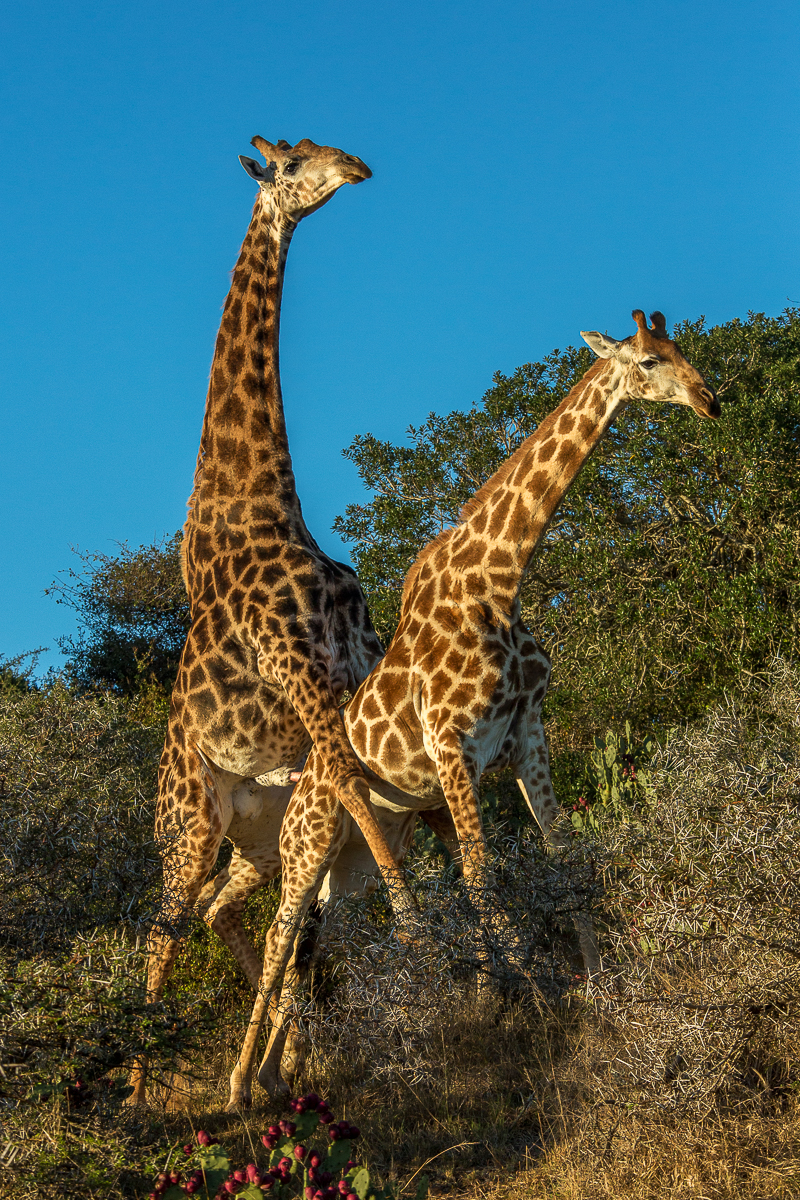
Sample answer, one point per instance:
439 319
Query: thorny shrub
703 957
77 786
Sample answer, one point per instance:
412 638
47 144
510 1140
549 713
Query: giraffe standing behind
278 629
461 686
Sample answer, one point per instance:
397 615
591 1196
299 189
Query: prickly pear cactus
309 1157
620 779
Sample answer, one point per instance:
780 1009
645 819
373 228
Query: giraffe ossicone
460 688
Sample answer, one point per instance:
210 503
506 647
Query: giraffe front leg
533 778
190 825
460 789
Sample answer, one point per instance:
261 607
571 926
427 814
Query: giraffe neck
510 514
244 451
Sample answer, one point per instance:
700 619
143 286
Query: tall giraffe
461 686
278 629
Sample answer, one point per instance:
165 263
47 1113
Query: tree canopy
133 616
670 574
671 571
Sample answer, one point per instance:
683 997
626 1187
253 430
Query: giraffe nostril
710 397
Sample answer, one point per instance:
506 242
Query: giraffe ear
603 345
256 171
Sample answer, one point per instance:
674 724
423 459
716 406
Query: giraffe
278 629
461 686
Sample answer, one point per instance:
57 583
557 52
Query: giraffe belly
250 758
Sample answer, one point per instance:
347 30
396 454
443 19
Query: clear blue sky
539 168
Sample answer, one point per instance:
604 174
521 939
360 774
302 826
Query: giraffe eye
291 167
649 363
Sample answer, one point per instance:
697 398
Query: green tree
133 616
672 569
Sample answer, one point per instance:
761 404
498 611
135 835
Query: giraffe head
297 180
654 367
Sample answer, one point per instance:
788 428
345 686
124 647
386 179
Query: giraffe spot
438 687
497 520
504 581
370 707
235 361
566 423
568 455
467 639
254 314
537 483
518 521
425 598
204 704
469 555
586 425
478 521
454 661
376 735
461 697
393 751
499 557
197 676
532 674
232 411
391 687
234 316
253 385
547 450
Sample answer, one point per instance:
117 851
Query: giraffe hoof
273 1083
238 1102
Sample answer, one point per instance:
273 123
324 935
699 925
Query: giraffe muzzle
710 406
354 170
